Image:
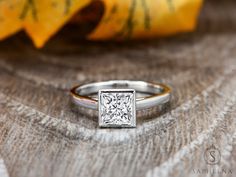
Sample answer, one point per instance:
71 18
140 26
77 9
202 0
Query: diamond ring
117 103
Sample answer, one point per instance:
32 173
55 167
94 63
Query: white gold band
158 93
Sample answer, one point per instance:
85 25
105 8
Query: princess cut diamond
117 108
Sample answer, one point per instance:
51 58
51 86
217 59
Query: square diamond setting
117 108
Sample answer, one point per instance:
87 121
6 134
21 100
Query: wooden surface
43 135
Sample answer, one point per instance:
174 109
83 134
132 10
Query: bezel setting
117 108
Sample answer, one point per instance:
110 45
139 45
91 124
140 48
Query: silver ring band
160 93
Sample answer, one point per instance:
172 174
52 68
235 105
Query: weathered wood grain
43 135
3 170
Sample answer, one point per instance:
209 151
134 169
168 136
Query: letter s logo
212 155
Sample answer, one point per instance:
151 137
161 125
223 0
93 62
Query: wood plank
43 134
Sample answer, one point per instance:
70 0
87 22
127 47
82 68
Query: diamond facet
117 108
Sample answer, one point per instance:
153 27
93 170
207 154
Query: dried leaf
39 18
122 19
146 18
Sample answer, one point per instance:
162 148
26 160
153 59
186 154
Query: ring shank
159 93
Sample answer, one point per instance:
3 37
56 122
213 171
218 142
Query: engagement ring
117 103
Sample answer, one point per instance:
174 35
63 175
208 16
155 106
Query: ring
117 103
